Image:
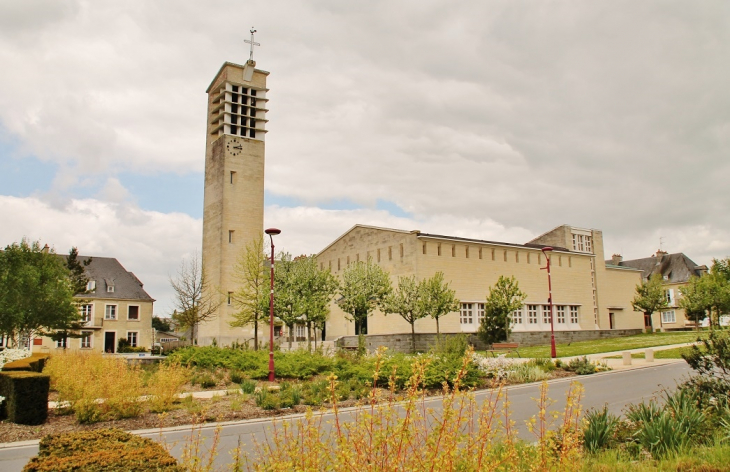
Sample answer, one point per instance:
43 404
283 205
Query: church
588 293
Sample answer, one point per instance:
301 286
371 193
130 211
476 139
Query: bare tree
195 301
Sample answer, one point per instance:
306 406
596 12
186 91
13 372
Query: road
615 389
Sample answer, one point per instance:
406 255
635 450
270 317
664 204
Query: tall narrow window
233 175
438 249
348 260
390 253
505 256
338 263
492 254
574 314
230 297
517 317
480 253
86 339
532 314
546 314
560 261
466 252
86 313
110 312
560 317
132 338
517 256
453 250
424 248
230 236
401 250
378 255
528 257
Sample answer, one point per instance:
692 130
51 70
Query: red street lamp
271 232
553 353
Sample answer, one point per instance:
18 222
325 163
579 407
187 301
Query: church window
401 250
574 314
480 253
492 254
560 314
390 253
424 248
253 92
251 132
453 250
244 91
466 252
546 314
517 256
234 119
230 236
438 249
505 256
234 129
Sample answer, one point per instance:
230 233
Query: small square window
234 98
234 129
235 88
133 312
86 339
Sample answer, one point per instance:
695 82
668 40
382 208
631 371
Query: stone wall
402 342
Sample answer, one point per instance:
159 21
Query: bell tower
233 213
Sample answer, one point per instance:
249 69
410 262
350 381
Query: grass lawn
582 348
675 353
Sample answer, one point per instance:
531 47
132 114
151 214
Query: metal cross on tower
252 43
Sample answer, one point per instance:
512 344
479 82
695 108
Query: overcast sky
496 120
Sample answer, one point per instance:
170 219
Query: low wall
402 342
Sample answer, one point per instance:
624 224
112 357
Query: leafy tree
650 297
314 289
252 296
405 301
363 288
36 292
79 285
161 324
504 298
708 294
195 301
438 299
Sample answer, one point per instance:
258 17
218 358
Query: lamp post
271 232
553 353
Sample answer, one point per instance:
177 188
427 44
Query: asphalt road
615 389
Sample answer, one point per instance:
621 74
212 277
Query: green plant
266 400
454 345
316 392
524 373
545 364
164 385
204 379
236 376
362 348
599 430
25 397
100 450
291 397
581 366
248 386
712 357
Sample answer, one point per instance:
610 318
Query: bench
504 348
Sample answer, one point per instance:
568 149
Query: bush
599 430
26 397
164 385
34 363
204 379
524 373
248 386
713 359
236 376
266 400
581 366
100 450
97 387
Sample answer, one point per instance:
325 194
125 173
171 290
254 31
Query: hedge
26 397
100 450
34 363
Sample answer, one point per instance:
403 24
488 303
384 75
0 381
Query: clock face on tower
234 147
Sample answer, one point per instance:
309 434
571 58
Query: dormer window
109 285
91 286
582 242
110 289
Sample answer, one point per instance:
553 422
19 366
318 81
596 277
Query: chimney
45 249
660 255
616 259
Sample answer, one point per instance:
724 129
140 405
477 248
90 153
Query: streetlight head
272 231
547 249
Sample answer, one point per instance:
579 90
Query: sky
495 120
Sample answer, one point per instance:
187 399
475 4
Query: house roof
107 271
677 268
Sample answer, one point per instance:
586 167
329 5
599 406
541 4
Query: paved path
616 389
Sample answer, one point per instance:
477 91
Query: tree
504 298
405 301
709 294
363 288
650 298
195 301
314 289
161 324
36 292
252 296
438 299
79 285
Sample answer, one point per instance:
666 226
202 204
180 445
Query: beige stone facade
586 294
233 211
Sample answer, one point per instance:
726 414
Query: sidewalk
618 364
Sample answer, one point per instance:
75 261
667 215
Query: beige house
587 293
116 307
676 270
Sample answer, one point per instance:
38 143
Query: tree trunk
309 336
256 334
413 336
291 335
438 330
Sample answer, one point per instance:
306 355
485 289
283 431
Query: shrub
524 373
204 379
599 430
712 359
581 366
97 387
291 397
26 397
34 363
10 355
545 364
164 386
248 386
236 376
266 400
100 450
